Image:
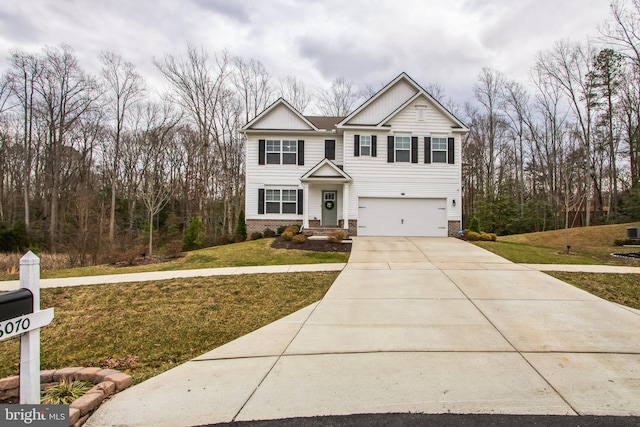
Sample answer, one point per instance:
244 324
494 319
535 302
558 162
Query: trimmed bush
268 232
475 224
280 230
294 228
481 236
288 235
298 238
622 242
337 236
256 235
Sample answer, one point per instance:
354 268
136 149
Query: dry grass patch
619 288
146 328
592 242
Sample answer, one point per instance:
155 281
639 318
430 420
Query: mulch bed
311 245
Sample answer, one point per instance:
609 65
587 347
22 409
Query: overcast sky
369 42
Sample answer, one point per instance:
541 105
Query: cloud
232 9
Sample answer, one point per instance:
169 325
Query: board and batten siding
281 176
386 103
281 118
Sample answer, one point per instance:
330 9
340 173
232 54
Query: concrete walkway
175 274
411 325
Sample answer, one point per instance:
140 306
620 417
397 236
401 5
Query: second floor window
439 150
285 152
365 145
403 148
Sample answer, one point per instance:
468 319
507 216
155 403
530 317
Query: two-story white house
390 168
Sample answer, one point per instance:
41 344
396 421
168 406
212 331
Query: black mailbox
15 304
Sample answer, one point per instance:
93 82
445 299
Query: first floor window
439 149
272 201
289 199
403 148
281 201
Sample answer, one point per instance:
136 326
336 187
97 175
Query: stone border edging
107 382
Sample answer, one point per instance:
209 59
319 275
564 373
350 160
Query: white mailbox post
28 324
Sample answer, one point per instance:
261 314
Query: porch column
305 205
345 205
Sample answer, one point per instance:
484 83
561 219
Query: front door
329 209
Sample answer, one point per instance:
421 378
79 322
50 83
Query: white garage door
402 217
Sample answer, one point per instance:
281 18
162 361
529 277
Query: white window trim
281 200
367 144
396 149
439 150
281 151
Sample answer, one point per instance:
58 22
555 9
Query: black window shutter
300 201
300 152
261 152
374 146
451 151
414 149
330 149
261 201
356 145
427 149
390 149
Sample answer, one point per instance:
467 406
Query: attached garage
402 217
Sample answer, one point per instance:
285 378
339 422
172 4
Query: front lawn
146 328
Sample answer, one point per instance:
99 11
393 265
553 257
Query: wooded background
96 166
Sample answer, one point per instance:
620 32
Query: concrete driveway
430 325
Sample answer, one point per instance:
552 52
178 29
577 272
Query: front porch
326 200
316 229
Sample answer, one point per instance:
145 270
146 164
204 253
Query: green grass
146 328
619 288
255 252
527 254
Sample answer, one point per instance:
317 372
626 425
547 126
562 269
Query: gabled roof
325 122
280 103
326 170
403 78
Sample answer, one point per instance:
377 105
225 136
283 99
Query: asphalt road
444 420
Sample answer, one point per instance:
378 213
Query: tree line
567 151
97 165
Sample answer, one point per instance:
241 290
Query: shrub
481 236
241 228
622 242
268 232
299 238
173 248
256 235
294 228
194 236
475 224
337 236
280 230
288 235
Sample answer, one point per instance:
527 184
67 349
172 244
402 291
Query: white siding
281 118
281 176
386 104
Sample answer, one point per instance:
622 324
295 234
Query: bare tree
125 87
570 65
339 100
253 83
295 93
67 93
